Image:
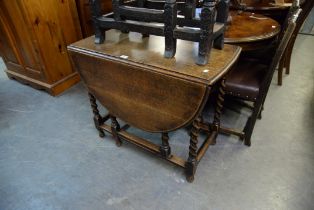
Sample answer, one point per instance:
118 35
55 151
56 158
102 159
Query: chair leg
247 134
95 10
249 126
260 113
170 41
280 69
207 24
288 54
115 128
287 63
165 149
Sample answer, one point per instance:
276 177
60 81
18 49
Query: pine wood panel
34 36
20 39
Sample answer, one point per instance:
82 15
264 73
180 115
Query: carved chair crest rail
207 29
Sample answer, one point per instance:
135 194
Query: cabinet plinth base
53 89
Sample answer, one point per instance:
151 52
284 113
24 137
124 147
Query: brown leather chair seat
246 80
251 78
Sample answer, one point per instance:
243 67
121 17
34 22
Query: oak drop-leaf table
130 77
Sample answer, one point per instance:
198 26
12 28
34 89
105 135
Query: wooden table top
129 75
250 27
149 51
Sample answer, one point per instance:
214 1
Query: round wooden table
254 5
251 31
275 9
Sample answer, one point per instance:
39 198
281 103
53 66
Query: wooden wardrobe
33 39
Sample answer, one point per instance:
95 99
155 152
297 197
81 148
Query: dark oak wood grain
167 111
129 75
149 51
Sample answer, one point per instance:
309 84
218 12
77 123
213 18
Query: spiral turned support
219 106
165 149
191 163
115 128
98 120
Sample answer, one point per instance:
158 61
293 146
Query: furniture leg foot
247 133
280 70
190 176
118 142
99 38
260 116
260 113
202 60
169 53
190 168
101 134
247 141
219 42
190 179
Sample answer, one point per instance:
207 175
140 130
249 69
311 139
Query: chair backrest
165 22
294 7
287 34
237 5
306 6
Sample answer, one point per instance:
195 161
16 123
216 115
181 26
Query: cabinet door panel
6 49
69 21
20 46
44 18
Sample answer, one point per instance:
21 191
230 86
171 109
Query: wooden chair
206 30
250 81
285 61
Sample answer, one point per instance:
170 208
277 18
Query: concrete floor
52 158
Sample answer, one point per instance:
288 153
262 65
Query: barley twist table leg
191 163
98 120
219 106
165 149
115 127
